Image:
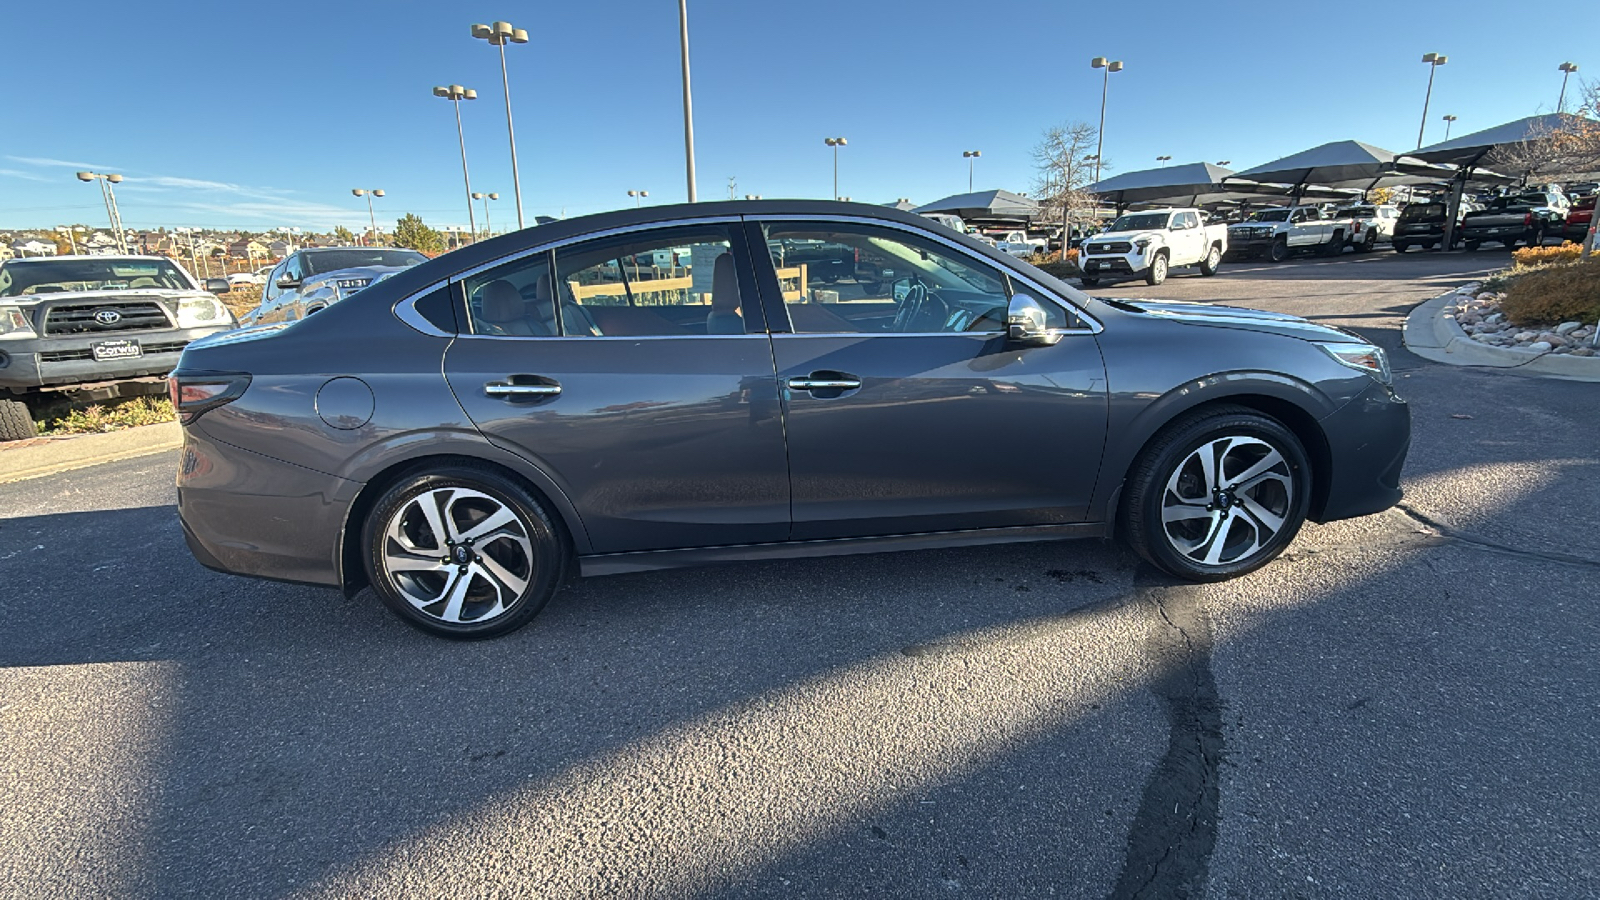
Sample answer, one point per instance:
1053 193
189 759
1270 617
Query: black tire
1401 246
542 568
1208 266
16 423
1157 273
1538 238
1282 490
1334 247
1279 251
1371 242
1472 246
1086 281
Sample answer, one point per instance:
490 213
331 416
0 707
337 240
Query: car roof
88 256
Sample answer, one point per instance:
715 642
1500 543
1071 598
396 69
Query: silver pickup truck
104 326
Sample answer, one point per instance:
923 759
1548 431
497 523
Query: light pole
752 196
638 196
1434 61
688 104
499 34
1567 68
970 156
1100 62
488 229
369 193
110 197
455 93
1223 162
835 143
1163 160
1447 121
70 232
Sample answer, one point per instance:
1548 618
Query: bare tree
1571 146
1065 166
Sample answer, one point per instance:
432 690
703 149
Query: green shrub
123 414
1551 294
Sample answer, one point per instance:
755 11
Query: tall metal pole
835 171
1100 136
969 174
688 104
1426 99
516 179
472 220
116 216
372 218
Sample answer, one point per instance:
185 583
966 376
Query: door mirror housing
288 284
218 286
1028 324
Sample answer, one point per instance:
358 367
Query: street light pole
1447 121
1567 68
456 93
369 193
109 195
499 34
637 196
971 156
488 228
1163 160
1434 61
1100 62
688 103
835 143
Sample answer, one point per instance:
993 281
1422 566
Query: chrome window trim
1094 325
405 309
588 236
987 335
607 337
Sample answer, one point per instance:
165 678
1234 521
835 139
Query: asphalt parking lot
1404 705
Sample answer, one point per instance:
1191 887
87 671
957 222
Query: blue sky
266 115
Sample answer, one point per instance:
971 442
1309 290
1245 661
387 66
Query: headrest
724 285
499 302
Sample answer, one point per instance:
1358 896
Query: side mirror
288 284
1027 323
218 286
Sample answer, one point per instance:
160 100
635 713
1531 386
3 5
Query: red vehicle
1578 219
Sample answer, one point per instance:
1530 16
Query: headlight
1141 244
14 321
1362 357
198 312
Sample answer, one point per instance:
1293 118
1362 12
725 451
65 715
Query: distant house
156 243
281 249
240 249
33 248
6 252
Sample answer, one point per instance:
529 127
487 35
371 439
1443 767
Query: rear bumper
61 362
248 514
1368 439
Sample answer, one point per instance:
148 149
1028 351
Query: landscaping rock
1540 347
1568 327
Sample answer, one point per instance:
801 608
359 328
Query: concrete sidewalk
34 458
1431 332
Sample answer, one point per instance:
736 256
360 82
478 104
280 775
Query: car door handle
507 390
824 381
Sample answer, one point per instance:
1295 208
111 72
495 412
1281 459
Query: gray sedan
673 386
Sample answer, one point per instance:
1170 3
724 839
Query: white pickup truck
1276 233
1151 244
1018 244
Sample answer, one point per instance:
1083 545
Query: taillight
1527 219
194 393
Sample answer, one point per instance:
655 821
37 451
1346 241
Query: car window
859 279
513 300
272 281
357 257
683 281
1188 220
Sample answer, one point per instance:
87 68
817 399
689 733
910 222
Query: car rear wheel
463 552
1157 272
1086 281
1401 246
1208 266
1218 493
16 423
1472 246
1370 242
1279 250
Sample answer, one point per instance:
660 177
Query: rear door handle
824 381
508 391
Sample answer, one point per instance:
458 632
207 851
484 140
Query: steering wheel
910 307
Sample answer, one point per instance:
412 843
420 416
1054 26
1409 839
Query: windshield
20 279
1419 211
1140 222
1269 215
1359 212
356 257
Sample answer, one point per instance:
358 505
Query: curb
53 455
1432 333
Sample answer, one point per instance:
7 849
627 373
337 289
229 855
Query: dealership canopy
1195 184
984 205
1345 164
1471 149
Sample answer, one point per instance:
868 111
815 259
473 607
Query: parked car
236 279
1527 218
312 279
1019 244
1152 243
1372 224
1421 224
1578 218
1277 233
110 325
467 433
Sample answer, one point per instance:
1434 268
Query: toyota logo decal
107 316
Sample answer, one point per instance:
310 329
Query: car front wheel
16 422
1157 272
462 552
1279 250
1218 493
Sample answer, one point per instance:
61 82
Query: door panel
946 432
659 443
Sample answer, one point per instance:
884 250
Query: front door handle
824 381
508 391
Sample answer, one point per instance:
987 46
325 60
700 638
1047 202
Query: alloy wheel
458 555
1227 500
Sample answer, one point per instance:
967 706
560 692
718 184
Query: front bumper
1368 439
61 362
1111 265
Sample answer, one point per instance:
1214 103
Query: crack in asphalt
1449 533
1175 830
